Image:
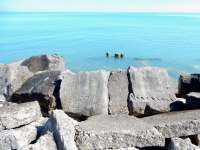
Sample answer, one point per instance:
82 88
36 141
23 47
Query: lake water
167 40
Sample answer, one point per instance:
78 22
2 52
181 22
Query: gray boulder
63 130
188 83
11 79
180 144
193 100
176 124
84 93
44 62
118 92
114 132
151 91
16 115
42 87
45 142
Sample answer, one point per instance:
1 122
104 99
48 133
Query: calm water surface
167 40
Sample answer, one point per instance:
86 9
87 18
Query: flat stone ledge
114 132
176 124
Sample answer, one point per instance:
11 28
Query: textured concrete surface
12 78
176 124
114 132
118 92
151 91
15 115
180 144
63 130
40 87
84 93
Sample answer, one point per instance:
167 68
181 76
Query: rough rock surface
193 100
15 115
84 93
63 130
114 132
17 139
11 79
176 124
44 62
151 91
41 87
180 144
188 83
45 142
118 92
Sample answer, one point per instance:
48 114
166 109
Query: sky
99 5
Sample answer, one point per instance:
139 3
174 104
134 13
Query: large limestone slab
84 93
180 144
44 62
63 130
11 79
15 115
188 83
151 91
193 100
41 87
176 124
45 142
118 92
114 132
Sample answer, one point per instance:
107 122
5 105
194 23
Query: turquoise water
167 40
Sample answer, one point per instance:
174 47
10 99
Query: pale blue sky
101 5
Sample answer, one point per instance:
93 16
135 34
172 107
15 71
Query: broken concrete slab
114 132
151 91
45 142
12 78
63 130
188 83
118 92
41 87
176 124
16 115
84 93
180 144
44 62
193 100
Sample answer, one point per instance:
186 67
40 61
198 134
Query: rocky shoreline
44 106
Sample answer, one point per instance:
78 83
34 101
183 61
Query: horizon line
97 12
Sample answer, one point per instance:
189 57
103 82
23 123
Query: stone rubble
96 110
